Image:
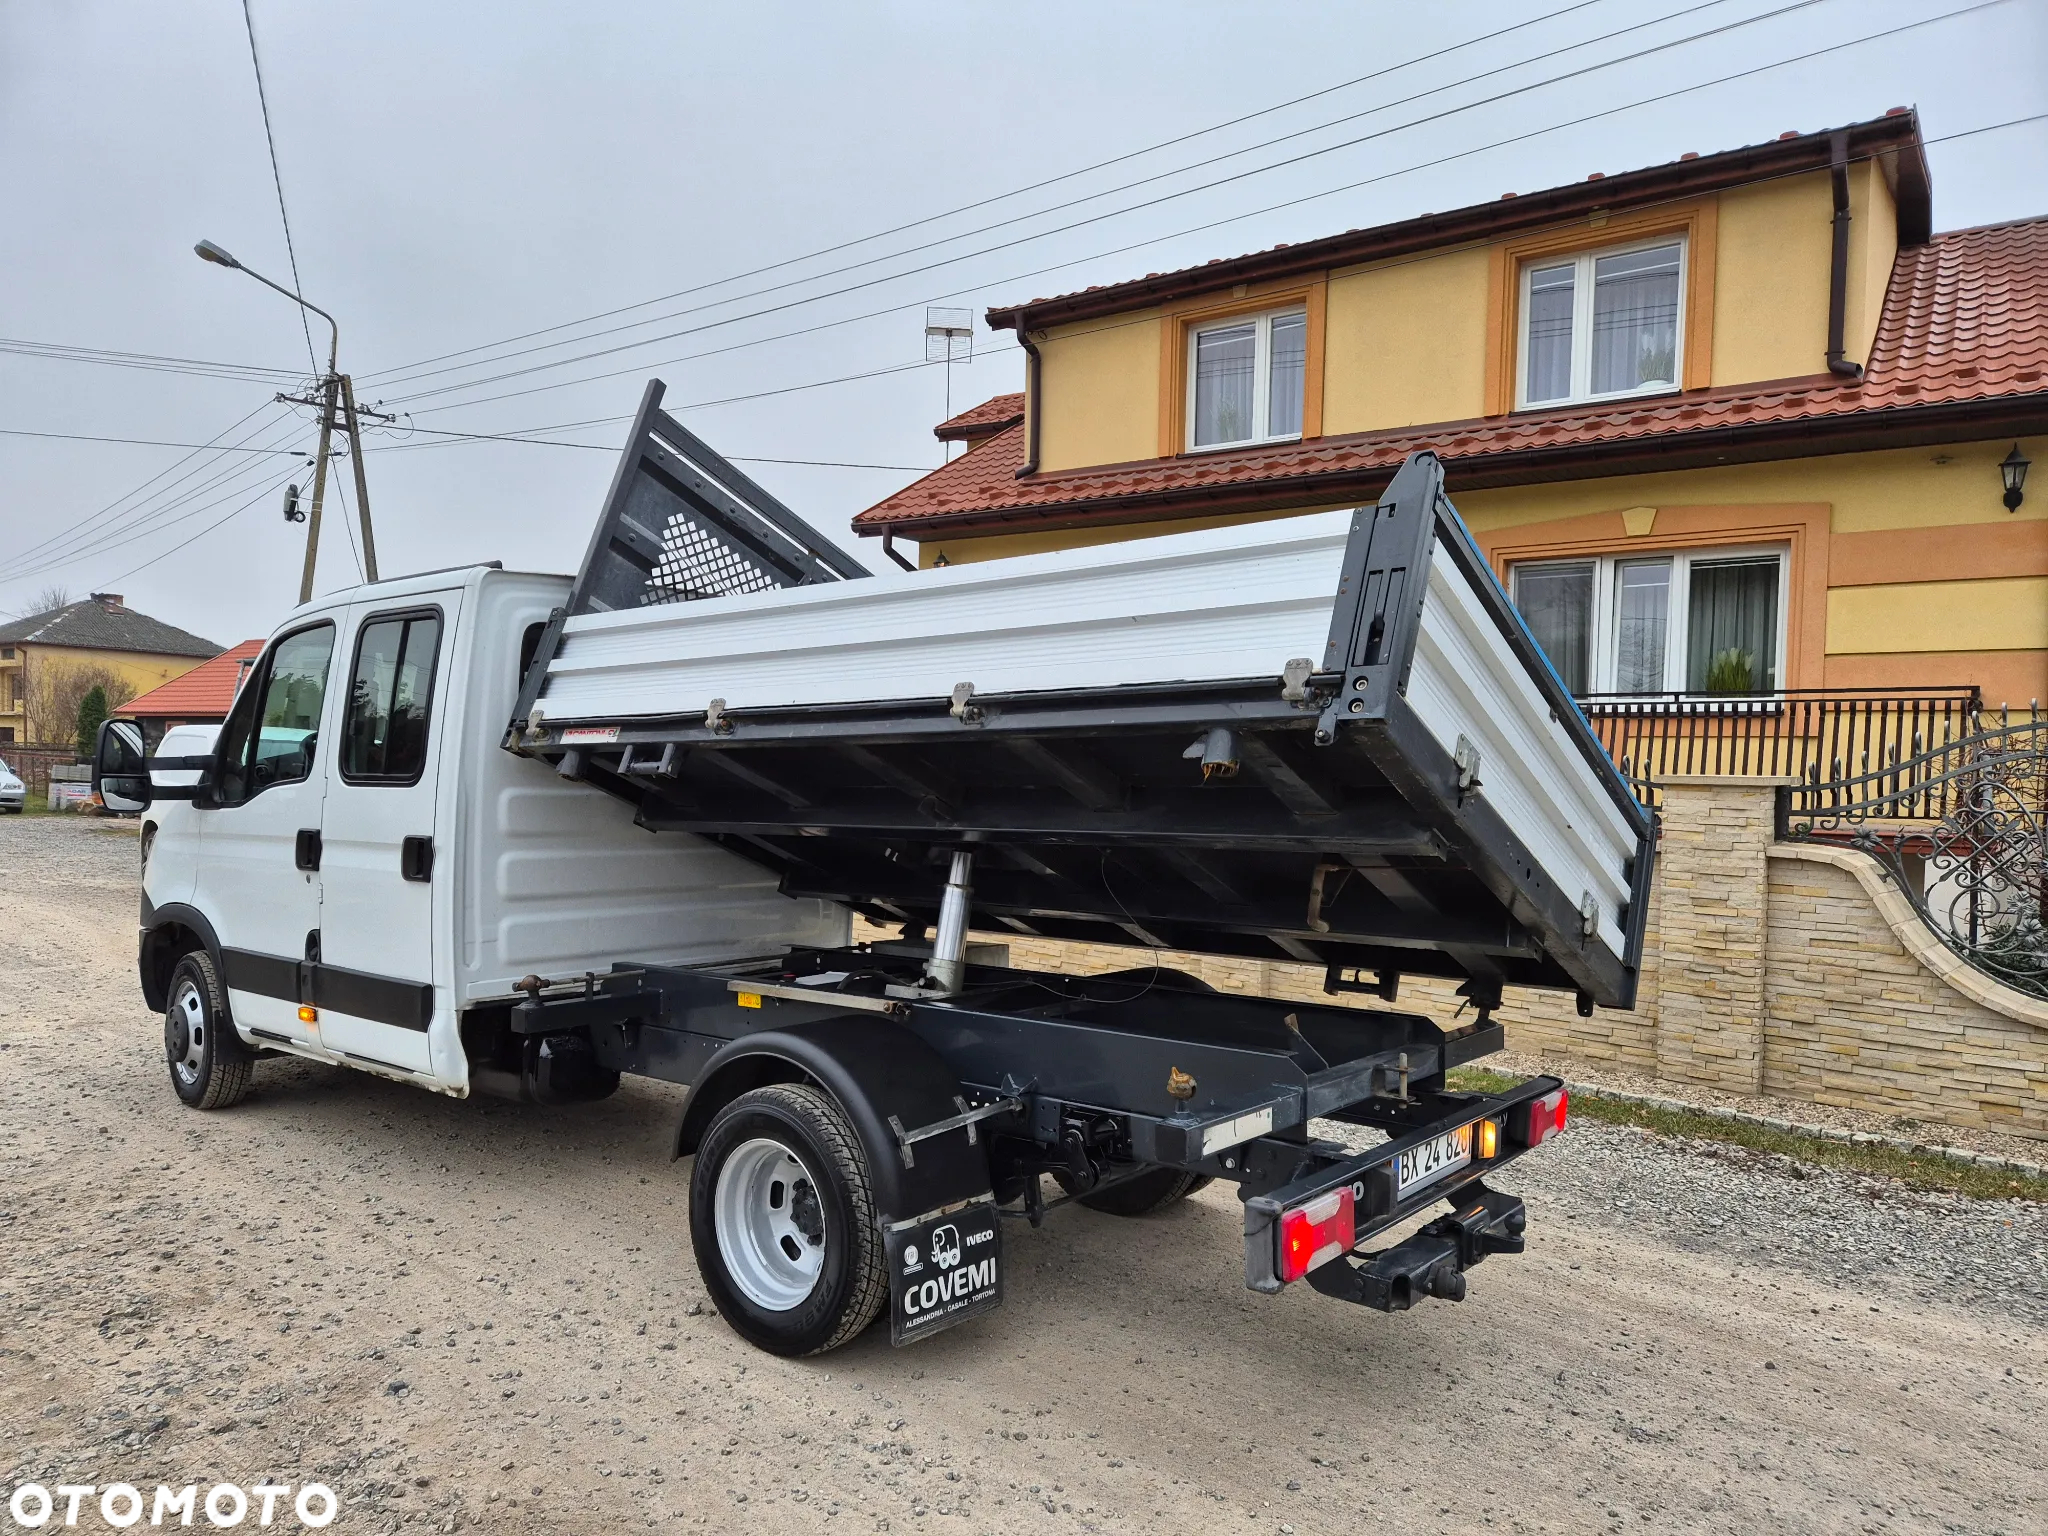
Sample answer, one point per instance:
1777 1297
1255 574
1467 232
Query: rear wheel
210 1067
1147 1193
782 1218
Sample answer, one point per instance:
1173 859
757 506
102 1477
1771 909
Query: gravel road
482 1316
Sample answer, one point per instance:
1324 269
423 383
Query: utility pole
319 487
355 457
336 393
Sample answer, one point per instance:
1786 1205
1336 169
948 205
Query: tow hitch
1432 1262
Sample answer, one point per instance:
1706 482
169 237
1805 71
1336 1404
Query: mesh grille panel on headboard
682 523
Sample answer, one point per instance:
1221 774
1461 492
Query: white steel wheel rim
191 1011
771 1224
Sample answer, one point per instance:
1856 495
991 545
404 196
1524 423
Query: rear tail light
1315 1233
1546 1117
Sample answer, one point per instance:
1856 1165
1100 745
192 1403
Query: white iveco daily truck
491 832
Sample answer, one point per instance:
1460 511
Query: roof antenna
948 339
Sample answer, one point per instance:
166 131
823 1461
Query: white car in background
13 793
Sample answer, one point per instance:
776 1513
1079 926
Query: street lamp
2012 469
206 250
336 388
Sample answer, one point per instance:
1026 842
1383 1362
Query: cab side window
390 699
273 732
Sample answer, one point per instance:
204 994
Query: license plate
1430 1161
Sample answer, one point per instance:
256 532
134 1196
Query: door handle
416 858
306 849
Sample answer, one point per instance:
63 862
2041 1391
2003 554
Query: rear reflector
1315 1233
1546 1117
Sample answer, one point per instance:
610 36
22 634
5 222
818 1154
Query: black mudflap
943 1269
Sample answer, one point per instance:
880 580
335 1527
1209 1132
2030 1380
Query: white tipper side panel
1467 682
556 879
1222 603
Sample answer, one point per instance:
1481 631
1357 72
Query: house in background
199 697
49 661
1741 424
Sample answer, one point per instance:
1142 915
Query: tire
792 1255
210 1066
1147 1193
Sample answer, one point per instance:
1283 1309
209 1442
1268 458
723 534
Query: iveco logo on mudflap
943 1270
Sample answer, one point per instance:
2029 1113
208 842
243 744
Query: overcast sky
459 175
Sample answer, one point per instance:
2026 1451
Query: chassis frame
1093 1080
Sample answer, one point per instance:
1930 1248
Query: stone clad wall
1784 970
1864 1008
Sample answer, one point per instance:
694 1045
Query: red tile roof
1893 140
984 420
1962 345
204 693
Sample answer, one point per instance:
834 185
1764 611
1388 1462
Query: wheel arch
874 1069
169 933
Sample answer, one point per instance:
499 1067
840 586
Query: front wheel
210 1067
782 1218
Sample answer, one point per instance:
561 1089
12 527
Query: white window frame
1602 662
1581 392
1262 374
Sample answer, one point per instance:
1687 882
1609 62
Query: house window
1602 324
1702 622
1245 379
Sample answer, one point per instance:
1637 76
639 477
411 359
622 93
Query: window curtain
1642 613
1635 319
1732 626
1285 375
1557 603
1550 334
1226 362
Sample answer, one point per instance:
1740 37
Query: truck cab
357 863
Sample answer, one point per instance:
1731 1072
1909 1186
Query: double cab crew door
317 855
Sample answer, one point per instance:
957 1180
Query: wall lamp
2012 469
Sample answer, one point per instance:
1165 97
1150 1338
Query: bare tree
47 600
56 687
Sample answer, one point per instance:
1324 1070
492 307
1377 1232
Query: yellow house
50 661
1738 425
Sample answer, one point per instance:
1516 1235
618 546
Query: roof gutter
1839 363
1034 374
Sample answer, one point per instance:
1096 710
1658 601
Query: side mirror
120 773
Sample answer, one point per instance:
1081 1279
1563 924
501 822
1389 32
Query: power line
761 394
1786 9
144 519
1000 196
148 362
453 438
146 442
1178 234
277 179
202 533
115 504
1661 96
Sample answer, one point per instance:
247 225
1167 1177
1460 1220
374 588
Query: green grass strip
1918 1170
